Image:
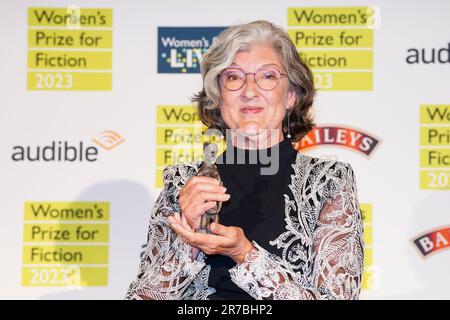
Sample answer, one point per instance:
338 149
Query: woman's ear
292 97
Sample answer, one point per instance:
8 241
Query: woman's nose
250 87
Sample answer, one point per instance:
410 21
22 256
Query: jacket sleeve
337 247
166 268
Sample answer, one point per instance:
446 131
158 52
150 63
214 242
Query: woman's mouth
252 109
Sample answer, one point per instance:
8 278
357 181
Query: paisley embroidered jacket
322 246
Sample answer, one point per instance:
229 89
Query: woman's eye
269 75
233 77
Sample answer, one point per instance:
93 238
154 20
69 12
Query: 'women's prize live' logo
180 49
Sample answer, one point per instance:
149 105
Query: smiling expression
250 108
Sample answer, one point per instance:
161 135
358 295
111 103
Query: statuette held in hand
209 169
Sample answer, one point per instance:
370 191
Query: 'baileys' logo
433 241
354 139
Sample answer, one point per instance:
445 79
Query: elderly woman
294 234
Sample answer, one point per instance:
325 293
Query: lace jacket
322 245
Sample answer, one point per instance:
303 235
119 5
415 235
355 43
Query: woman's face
251 108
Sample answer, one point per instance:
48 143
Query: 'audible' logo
351 138
428 56
108 139
64 151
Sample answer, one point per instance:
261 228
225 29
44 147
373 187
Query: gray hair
220 56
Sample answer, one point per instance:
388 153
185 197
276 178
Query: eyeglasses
265 79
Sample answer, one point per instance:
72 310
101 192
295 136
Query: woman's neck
263 139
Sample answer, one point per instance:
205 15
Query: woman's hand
198 195
227 241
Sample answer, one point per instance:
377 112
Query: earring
288 128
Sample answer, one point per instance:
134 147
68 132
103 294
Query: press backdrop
95 101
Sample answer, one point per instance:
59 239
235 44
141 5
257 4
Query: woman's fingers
204 187
202 202
198 195
199 192
198 179
208 205
186 235
229 241
177 217
183 221
197 182
208 243
213 196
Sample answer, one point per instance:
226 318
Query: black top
256 205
